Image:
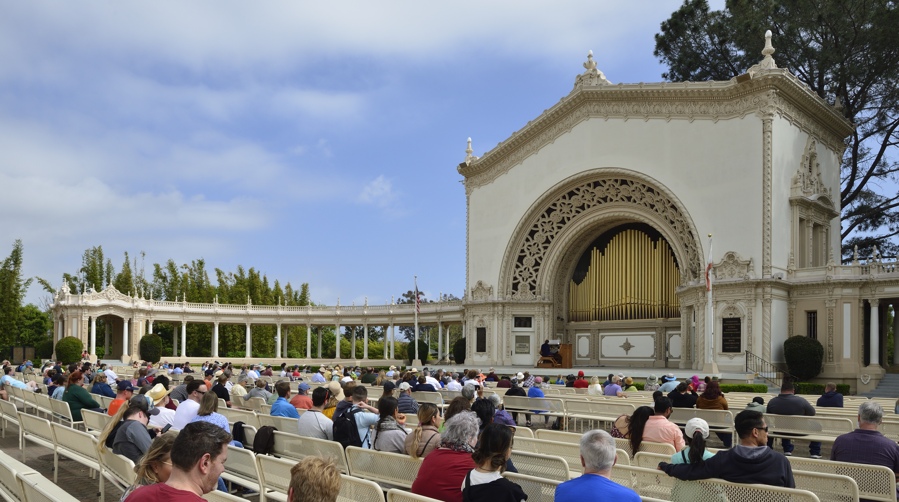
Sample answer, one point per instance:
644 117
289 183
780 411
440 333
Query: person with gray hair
597 457
866 445
443 470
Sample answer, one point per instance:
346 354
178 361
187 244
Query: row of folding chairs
21 483
43 405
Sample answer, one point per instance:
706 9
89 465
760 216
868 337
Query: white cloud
378 192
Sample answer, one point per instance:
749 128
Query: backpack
345 431
238 433
264 441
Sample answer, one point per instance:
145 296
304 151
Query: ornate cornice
768 91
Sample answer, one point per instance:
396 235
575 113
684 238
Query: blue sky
317 142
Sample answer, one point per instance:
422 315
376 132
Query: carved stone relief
732 266
481 292
553 219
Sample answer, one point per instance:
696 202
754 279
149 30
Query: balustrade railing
765 370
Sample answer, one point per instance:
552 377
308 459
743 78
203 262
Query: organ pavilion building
589 226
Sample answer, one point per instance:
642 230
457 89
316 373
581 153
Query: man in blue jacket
831 398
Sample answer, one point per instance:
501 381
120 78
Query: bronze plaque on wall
731 335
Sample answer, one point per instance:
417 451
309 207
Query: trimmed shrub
459 351
758 388
804 357
423 351
68 350
150 347
44 348
818 388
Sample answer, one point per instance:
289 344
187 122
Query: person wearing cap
669 383
337 396
581 382
391 372
132 439
124 391
614 389
598 455
629 385
652 383
78 397
751 461
405 402
501 416
535 392
160 398
697 431
302 400
319 376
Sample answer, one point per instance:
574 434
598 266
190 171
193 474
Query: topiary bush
459 351
44 348
758 388
423 351
150 347
804 357
68 350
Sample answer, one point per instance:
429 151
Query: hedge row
818 388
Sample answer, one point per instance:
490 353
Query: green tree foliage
34 325
804 357
44 349
124 280
844 51
151 348
459 351
69 349
12 291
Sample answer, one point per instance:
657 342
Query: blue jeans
814 447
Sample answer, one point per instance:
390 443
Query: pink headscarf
695 381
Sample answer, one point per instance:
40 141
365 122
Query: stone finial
469 158
592 75
768 61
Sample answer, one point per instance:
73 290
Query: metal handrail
763 369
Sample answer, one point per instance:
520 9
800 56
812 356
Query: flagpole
710 365
416 319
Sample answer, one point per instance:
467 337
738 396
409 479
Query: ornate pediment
807 187
109 294
732 266
481 292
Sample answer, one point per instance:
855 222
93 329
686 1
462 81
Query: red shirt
581 383
302 402
114 406
441 475
162 491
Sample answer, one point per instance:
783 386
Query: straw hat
158 393
336 390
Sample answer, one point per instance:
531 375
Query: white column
249 348
278 341
184 339
125 350
439 341
365 342
175 341
392 341
151 327
895 333
285 343
308 340
874 334
337 341
386 335
215 339
93 347
319 343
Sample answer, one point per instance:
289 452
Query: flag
417 300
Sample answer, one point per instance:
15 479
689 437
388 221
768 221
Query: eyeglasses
765 428
201 393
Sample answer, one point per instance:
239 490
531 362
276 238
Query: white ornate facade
754 161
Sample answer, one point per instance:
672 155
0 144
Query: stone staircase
888 387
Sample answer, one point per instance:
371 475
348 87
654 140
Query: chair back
397 495
382 467
298 447
541 466
537 489
361 490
